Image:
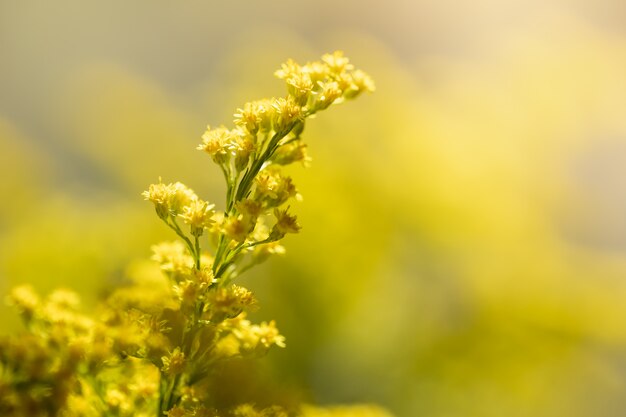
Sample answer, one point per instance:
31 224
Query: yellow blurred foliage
464 228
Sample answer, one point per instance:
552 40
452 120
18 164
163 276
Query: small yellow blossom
198 215
169 199
25 299
227 347
248 410
251 208
257 339
285 223
229 302
287 113
337 62
291 152
317 71
288 69
204 277
237 228
269 336
328 93
187 292
64 298
177 412
173 258
174 363
205 412
299 86
144 387
361 82
253 115
244 146
273 189
218 143
264 251
117 400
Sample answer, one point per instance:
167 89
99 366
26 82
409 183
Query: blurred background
464 241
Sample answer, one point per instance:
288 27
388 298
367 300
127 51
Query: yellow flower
204 277
117 400
218 143
198 215
317 71
158 194
299 86
264 251
255 116
249 208
288 69
187 292
177 412
254 339
229 302
242 148
173 257
287 113
273 189
285 223
328 93
64 299
268 335
237 228
361 82
337 63
169 199
25 299
174 364
291 152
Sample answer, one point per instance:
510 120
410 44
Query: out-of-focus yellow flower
174 363
345 411
337 62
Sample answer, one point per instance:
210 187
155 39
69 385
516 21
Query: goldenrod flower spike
157 342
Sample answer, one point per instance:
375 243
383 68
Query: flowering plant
154 346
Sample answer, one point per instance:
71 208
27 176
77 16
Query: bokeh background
464 242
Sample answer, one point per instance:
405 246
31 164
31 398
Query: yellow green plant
154 346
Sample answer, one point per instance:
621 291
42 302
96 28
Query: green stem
246 181
231 256
174 226
197 242
221 246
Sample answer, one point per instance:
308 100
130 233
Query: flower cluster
156 343
69 364
266 136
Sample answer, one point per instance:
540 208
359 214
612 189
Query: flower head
218 143
337 63
328 93
169 199
285 223
198 215
174 363
287 113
